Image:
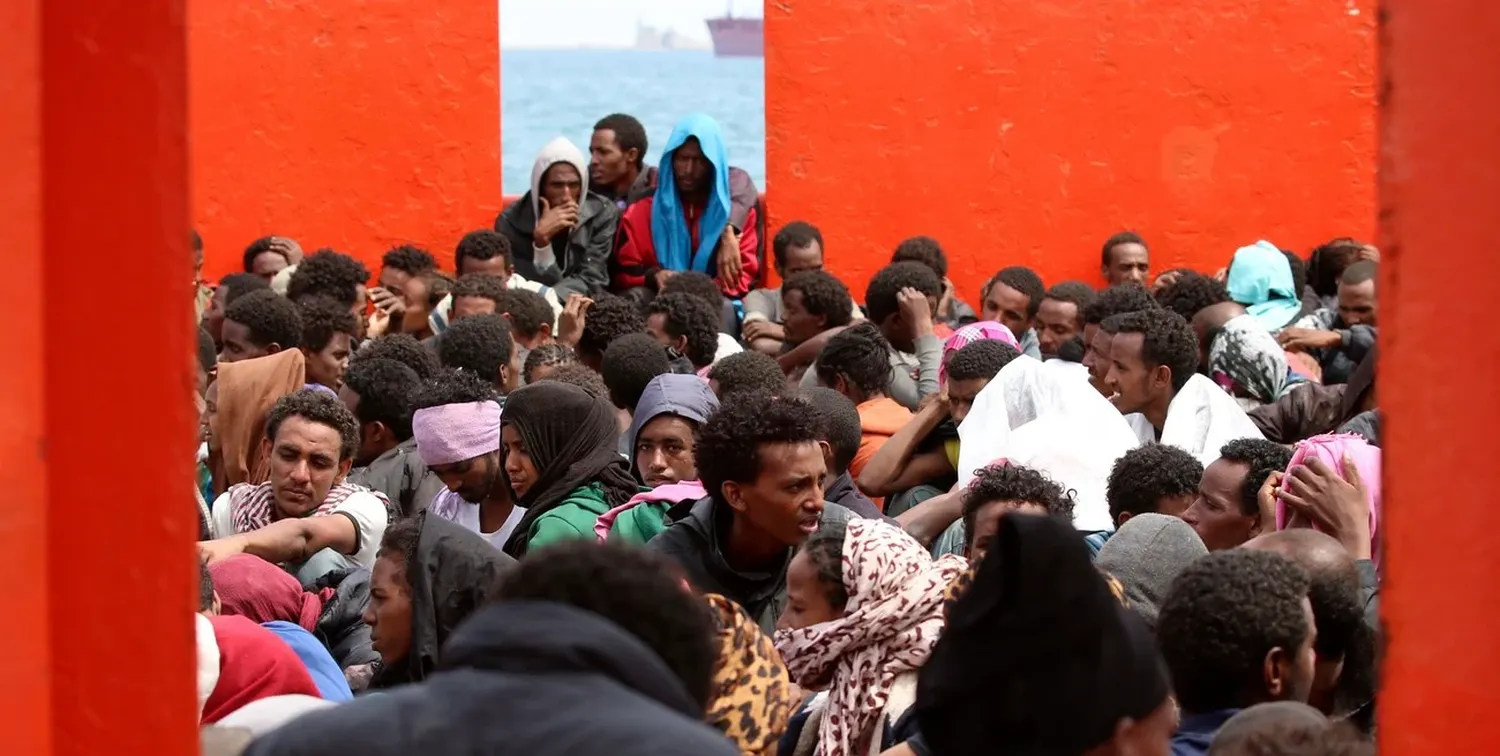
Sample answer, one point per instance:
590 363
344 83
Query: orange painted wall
1440 175
1027 133
356 124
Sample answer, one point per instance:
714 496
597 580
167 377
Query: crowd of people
599 489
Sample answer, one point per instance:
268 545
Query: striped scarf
250 506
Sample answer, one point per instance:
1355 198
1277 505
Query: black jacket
341 625
582 256
520 678
401 475
844 493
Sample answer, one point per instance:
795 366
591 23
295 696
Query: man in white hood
560 233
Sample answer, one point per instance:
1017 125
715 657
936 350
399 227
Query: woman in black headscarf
561 449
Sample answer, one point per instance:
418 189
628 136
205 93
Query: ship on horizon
737 37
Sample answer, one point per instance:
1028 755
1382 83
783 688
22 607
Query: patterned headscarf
892 620
984 330
753 698
1246 361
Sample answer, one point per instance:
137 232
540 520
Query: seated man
475 294
488 253
796 248
1152 478
855 363
1228 510
328 332
400 267
687 325
1059 319
1012 298
336 275
617 152
603 319
531 319
1115 300
257 324
687 224
456 426
1339 338
748 372
996 491
952 312
843 436
303 510
560 233
379 392
230 288
1126 259
481 345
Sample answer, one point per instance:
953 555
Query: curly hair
861 355
1166 339
329 273
794 234
235 285
479 285
630 363
925 250
527 311
319 407
1145 475
880 294
1024 280
1224 613
1263 458
823 294
729 442
840 422
576 374
1118 300
547 355
609 318
1124 237
385 388
270 317
629 134
259 247
1191 292
413 261
1328 262
633 589
687 315
1007 482
480 344
403 348
322 317
697 284
825 549
483 244
451 387
980 359
1078 293
747 371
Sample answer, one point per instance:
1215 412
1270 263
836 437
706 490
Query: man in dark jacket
587 649
378 391
1339 337
560 233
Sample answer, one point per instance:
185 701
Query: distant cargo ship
741 37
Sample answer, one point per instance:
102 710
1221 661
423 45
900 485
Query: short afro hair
980 359
322 317
795 234
385 389
1328 263
452 387
697 284
271 318
747 371
329 273
630 363
729 442
236 285
481 345
484 244
1223 614
479 285
1166 339
880 295
1118 300
1024 280
208 354
861 355
1078 293
609 318
841 425
527 311
439 285
687 315
1007 482
632 589
403 348
1263 458
413 261
547 355
259 247
822 294
1145 475
1191 292
925 250
1299 271
629 134
319 407
1124 237
577 374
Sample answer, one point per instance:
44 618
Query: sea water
549 93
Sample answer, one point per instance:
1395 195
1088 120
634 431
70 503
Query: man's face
327 365
394 281
961 396
368 450
304 464
465 307
267 265
802 259
656 325
562 184
497 266
512 378
238 344
1057 322
1216 515
1008 307
471 479
360 308
1096 356
690 169
987 524
799 324
1357 303
1127 262
608 164
389 612
786 500
415 310
664 451
1131 382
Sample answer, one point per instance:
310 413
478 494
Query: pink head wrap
1330 449
455 432
982 331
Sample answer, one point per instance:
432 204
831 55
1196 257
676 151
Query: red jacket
634 260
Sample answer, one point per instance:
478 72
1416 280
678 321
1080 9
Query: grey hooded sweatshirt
576 261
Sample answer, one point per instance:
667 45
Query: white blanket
1203 417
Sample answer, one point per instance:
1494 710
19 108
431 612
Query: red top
635 252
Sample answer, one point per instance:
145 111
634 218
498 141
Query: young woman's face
389 612
806 596
518 465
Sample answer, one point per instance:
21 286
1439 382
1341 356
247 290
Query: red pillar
1440 175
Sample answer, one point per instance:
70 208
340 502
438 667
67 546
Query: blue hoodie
669 231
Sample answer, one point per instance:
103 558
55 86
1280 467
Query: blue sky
605 23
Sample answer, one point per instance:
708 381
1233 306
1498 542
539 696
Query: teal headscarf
669 231
1260 278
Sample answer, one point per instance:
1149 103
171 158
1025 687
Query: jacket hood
536 637
669 231
686 396
559 150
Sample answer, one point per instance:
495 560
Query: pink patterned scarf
891 622
251 506
984 330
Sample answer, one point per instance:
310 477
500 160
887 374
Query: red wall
356 124
1027 133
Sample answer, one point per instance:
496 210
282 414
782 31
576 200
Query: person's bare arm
926 521
287 540
803 354
890 466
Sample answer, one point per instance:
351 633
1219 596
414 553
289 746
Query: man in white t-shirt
306 507
457 429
